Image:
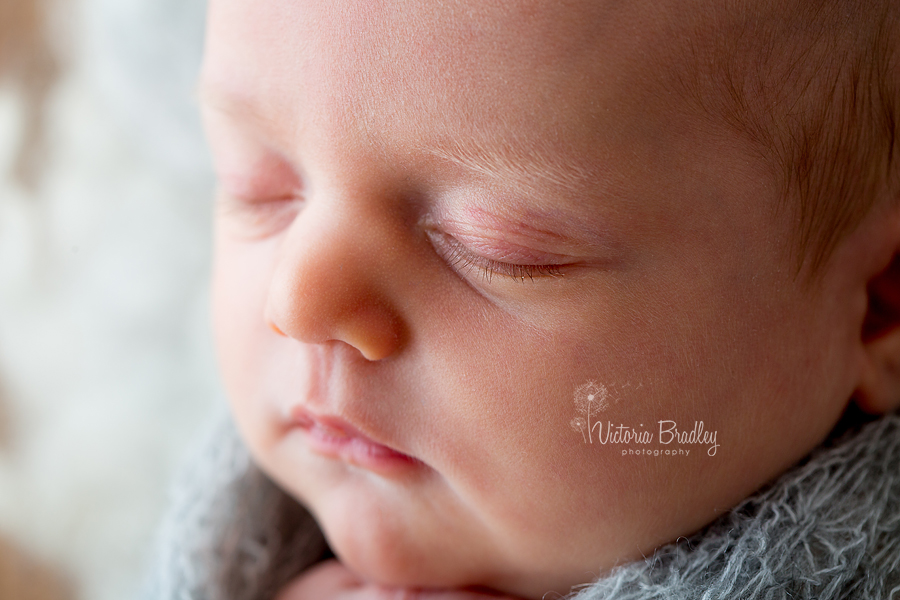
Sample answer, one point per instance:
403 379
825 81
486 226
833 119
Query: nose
331 283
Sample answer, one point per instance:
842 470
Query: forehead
559 78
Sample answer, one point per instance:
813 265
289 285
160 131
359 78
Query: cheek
503 401
241 337
502 419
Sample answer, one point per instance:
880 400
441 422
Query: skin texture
437 220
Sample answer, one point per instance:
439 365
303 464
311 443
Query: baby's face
438 220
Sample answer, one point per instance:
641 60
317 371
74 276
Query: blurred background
106 366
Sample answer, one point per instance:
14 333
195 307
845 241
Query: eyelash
460 258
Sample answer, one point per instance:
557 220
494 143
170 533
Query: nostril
374 331
275 328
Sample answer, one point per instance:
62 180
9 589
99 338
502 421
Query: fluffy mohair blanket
829 528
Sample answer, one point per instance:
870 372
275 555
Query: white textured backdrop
106 365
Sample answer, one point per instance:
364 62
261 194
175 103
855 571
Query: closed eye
257 218
463 260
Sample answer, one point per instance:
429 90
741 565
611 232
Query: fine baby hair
816 86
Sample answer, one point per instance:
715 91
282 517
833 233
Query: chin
382 548
388 559
394 557
389 564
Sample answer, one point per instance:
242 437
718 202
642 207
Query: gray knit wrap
827 529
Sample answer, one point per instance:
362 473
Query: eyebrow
525 165
238 107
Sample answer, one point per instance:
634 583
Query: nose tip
314 299
373 332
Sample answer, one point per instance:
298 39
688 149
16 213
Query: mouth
334 438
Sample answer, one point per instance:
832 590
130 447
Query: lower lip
355 449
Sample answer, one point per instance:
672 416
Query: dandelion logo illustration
590 399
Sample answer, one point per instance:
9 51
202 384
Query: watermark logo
591 399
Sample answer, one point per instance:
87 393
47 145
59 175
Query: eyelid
249 166
264 181
258 218
504 250
460 257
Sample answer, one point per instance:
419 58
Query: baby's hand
331 580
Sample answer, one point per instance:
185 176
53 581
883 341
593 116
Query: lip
334 438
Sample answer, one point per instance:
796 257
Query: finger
427 594
324 580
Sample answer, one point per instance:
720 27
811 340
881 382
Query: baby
508 294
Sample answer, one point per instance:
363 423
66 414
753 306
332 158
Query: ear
879 387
